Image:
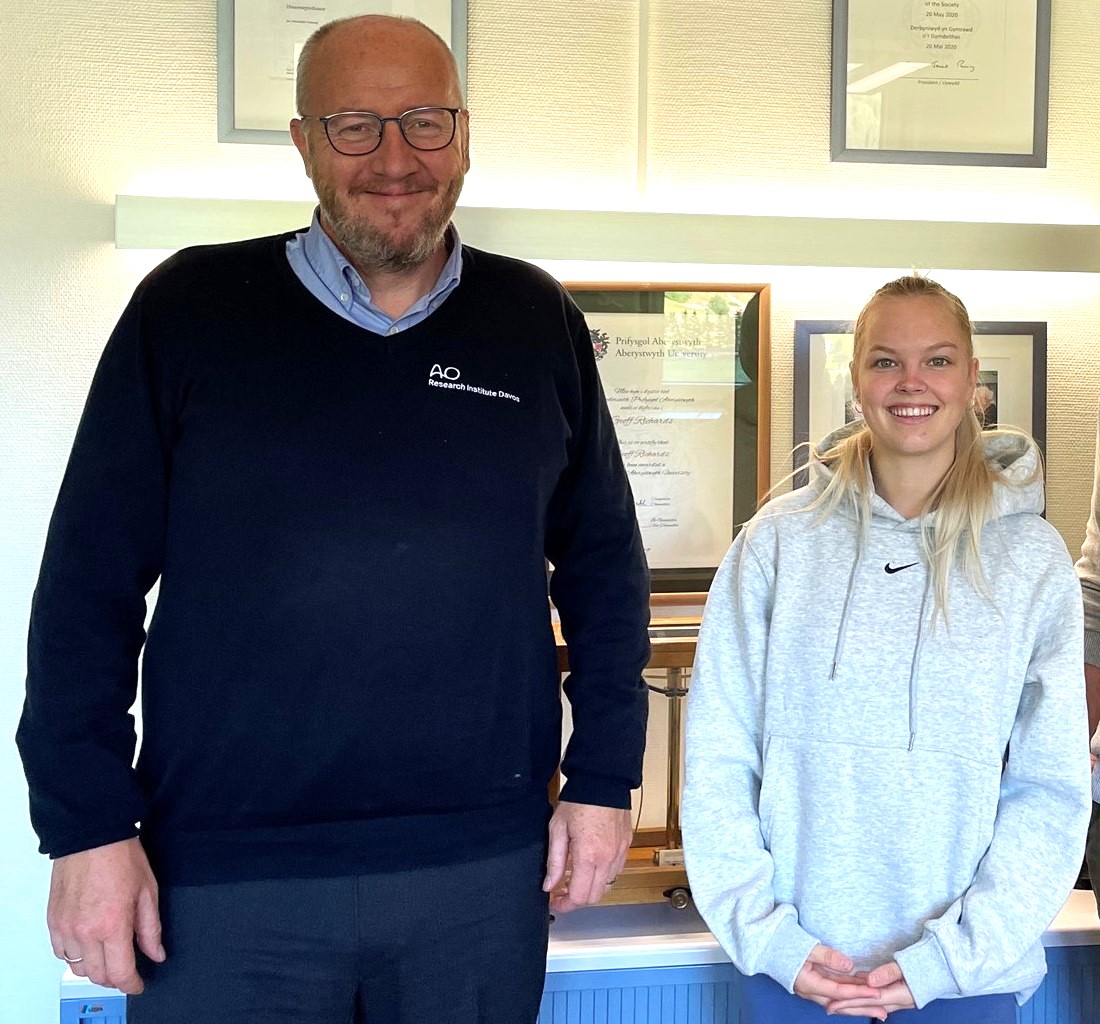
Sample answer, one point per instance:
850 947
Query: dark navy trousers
461 944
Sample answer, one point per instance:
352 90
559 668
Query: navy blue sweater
350 665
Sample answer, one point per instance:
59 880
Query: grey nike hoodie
844 779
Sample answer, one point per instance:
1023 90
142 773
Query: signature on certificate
961 65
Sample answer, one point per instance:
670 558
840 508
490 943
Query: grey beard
370 250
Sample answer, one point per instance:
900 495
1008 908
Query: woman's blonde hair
962 500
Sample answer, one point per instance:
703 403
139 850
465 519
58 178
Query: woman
887 789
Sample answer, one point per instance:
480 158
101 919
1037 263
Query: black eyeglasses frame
324 120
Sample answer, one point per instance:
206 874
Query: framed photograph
258 46
686 371
1012 380
941 81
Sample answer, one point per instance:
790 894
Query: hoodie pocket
868 842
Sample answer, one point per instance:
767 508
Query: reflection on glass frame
941 81
258 46
1012 379
686 372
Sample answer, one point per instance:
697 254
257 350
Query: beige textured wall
738 115
119 97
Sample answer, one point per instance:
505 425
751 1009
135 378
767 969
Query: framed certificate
941 81
258 46
685 368
1012 380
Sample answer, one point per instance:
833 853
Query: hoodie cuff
926 971
787 951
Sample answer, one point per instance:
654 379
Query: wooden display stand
654 869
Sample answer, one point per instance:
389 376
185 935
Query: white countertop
655 935
1076 923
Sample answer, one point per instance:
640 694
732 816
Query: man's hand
100 900
893 994
594 841
824 979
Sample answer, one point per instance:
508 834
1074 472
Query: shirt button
393 329
343 296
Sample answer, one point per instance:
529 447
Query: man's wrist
597 791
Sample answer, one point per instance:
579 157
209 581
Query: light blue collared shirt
329 277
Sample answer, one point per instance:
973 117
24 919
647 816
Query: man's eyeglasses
358 132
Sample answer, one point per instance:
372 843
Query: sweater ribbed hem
334 849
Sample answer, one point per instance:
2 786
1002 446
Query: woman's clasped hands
826 979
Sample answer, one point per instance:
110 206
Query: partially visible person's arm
600 587
103 554
1088 572
76 734
1092 699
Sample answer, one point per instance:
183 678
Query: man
347 453
1088 569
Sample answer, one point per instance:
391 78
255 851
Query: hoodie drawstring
843 628
914 666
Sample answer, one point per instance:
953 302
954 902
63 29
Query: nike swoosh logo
891 569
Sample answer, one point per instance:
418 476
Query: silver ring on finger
72 959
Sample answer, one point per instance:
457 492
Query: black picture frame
1026 384
941 80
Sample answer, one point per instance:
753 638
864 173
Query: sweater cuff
787 951
68 845
1092 647
926 971
596 790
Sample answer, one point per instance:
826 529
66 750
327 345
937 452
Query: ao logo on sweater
440 376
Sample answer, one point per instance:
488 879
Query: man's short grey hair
309 51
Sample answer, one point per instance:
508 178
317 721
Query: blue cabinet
109 1009
704 994
654 995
